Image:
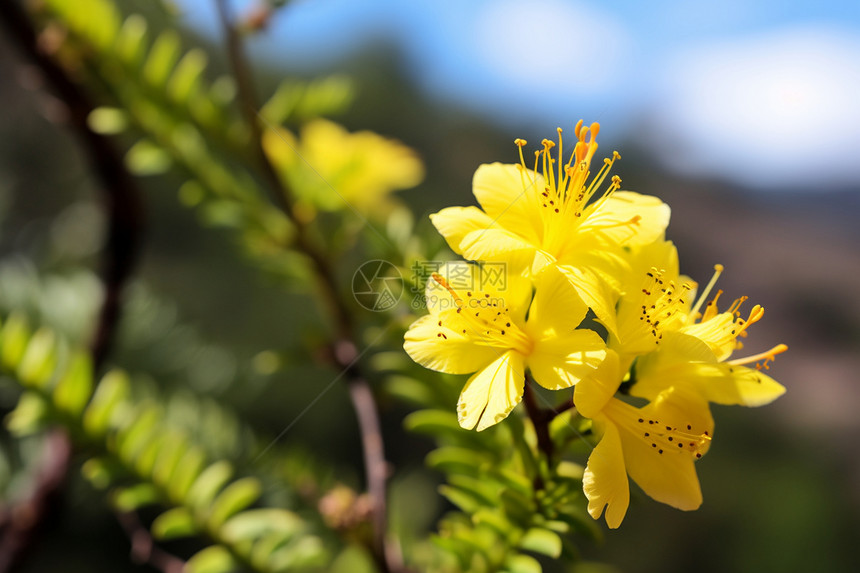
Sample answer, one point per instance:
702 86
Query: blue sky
764 92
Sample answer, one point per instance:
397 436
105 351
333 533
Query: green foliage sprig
143 461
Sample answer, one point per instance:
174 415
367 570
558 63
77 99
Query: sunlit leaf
542 541
208 484
75 386
29 415
146 158
131 498
101 472
13 338
235 497
214 559
39 359
131 41
162 58
255 522
187 470
186 79
523 564
108 120
173 523
110 393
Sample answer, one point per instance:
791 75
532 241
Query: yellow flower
332 169
679 367
484 330
656 444
553 216
694 357
655 299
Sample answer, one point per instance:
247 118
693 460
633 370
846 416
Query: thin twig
344 348
20 522
540 419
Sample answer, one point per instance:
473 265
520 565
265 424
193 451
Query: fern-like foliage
144 461
158 94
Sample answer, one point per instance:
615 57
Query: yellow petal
608 217
720 383
669 477
491 394
454 223
594 292
506 192
562 360
593 392
605 479
456 354
495 244
556 307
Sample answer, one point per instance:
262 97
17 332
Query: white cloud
549 45
770 110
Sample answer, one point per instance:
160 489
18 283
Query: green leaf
101 472
174 523
132 439
492 517
483 489
452 459
75 387
131 41
213 559
208 484
409 390
522 564
187 470
136 496
513 480
185 80
13 338
305 552
235 497
326 96
254 523
146 158
433 422
110 394
162 58
173 447
39 360
108 120
464 499
29 415
541 541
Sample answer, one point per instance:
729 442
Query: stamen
764 357
662 438
718 270
481 329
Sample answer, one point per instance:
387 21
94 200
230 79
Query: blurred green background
782 484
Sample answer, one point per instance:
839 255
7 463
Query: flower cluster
573 242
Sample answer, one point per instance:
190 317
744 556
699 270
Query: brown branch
344 348
121 197
540 418
19 523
